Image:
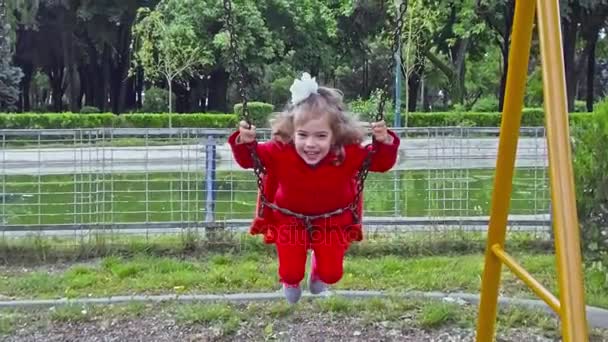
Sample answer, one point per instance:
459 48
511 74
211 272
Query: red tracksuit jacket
292 184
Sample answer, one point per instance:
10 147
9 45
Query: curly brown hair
327 102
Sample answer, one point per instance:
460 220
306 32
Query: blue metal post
397 120
210 168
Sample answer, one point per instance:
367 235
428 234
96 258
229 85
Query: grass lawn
162 267
255 271
160 197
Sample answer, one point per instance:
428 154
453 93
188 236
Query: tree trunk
459 68
120 69
170 83
570 33
591 72
130 102
26 82
92 77
503 79
413 84
55 74
413 81
453 71
85 85
505 48
426 98
170 98
70 64
139 88
104 88
592 21
217 93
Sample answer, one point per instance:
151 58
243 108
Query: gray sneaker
292 293
315 285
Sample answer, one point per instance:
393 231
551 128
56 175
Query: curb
596 317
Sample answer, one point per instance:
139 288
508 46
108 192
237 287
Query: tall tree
458 32
580 19
593 21
498 16
167 49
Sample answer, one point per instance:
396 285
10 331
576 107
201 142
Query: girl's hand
380 132
246 134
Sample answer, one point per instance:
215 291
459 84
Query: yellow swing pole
571 306
519 54
566 227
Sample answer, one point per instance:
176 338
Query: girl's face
313 140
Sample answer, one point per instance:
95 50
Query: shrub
531 117
580 106
156 100
590 160
55 120
72 120
258 111
486 104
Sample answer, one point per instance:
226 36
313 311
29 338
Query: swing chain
394 47
364 170
236 61
258 167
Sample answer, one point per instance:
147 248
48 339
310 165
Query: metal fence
165 180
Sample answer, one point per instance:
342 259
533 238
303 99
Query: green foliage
280 90
590 165
10 76
156 100
580 106
366 110
167 49
534 88
486 104
259 112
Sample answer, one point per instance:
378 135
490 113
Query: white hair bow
302 88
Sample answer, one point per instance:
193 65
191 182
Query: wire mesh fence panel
164 180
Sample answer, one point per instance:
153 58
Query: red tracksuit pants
328 243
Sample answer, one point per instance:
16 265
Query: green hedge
531 117
71 120
259 112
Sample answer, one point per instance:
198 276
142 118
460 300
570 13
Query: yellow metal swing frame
570 307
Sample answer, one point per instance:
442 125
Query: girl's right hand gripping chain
246 133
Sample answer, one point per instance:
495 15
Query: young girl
311 170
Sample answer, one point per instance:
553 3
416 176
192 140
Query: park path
596 317
415 154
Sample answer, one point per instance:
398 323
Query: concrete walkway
596 317
433 153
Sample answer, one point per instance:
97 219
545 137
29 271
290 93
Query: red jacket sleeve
242 152
386 155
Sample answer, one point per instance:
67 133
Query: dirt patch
316 327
